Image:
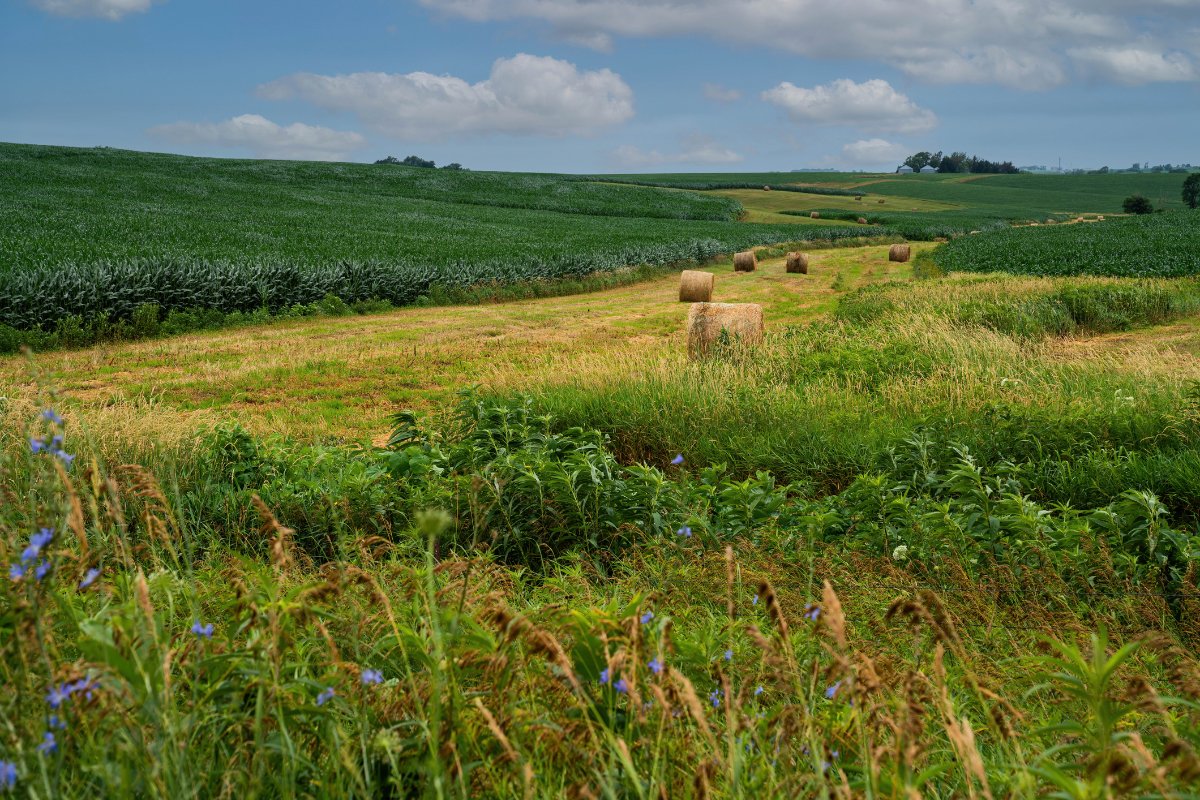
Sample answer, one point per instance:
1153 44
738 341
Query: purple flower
621 686
832 691
41 538
677 460
371 676
57 723
67 458
812 612
16 572
754 602
57 696
43 569
56 444
649 615
325 696
48 744
8 775
51 417
89 577
205 631
656 666
37 445
603 676
758 691
715 697
685 532
729 655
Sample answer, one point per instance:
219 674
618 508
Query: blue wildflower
55 444
56 722
325 696
677 460
685 532
66 458
832 691
48 745
812 612
649 615
43 569
41 538
57 696
37 445
603 676
656 666
8 775
715 697
754 602
371 676
621 686
51 417
758 691
16 572
89 577
205 631
729 655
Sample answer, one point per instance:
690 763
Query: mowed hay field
936 535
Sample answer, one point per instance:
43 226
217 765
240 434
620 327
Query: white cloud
106 9
523 95
872 153
1021 43
265 139
871 105
1132 65
695 150
720 94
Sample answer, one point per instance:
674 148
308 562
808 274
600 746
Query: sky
610 85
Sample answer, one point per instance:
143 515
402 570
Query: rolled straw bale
862 220
797 263
1051 221
899 252
766 188
745 261
815 215
858 197
742 322
696 286
881 202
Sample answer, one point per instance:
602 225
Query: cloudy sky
610 85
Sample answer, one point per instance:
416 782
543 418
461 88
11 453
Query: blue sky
610 85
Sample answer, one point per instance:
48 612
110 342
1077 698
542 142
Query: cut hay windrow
696 286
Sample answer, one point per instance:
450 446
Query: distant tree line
416 161
958 162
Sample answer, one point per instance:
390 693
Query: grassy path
345 376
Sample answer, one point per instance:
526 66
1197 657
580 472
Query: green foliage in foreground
191 646
1155 245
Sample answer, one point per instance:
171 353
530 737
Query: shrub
1137 204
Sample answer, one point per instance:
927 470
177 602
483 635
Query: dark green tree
1137 204
1191 190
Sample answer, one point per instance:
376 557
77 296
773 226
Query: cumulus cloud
266 139
720 94
1022 43
872 153
105 9
694 150
871 105
523 95
1133 65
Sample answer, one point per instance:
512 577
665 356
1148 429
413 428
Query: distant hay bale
881 202
1101 218
862 220
741 323
899 252
1051 221
766 188
797 263
696 286
815 215
858 197
745 261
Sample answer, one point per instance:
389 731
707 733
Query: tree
1191 190
918 160
1137 204
388 160
417 161
453 166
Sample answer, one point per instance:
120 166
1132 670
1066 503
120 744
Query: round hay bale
696 286
862 220
1101 218
858 197
797 263
741 323
1051 221
745 261
815 215
899 252
766 188
881 202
